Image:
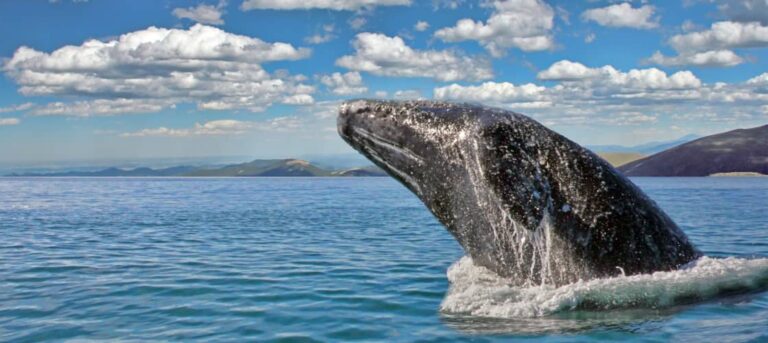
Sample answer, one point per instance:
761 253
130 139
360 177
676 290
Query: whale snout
370 118
382 131
348 116
368 115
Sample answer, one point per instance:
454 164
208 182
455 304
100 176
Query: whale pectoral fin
516 176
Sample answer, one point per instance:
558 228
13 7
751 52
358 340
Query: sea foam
477 291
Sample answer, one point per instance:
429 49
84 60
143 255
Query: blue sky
97 79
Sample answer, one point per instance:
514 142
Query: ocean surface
343 259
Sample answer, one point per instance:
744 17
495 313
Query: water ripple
303 260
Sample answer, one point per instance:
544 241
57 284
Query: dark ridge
737 151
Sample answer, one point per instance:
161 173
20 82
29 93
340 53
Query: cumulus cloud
357 23
761 79
522 96
587 95
651 78
379 54
320 38
623 15
744 10
337 5
408 94
722 35
226 127
344 84
325 36
421 26
204 14
712 47
714 58
9 121
448 4
203 64
523 24
17 108
100 107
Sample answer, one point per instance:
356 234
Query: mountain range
270 167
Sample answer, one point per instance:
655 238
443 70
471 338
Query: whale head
405 139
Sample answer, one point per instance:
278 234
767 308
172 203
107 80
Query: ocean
343 259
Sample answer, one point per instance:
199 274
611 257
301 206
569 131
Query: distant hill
366 171
274 167
115 172
286 167
737 151
620 158
337 161
643 149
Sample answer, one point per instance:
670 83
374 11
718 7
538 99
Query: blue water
312 259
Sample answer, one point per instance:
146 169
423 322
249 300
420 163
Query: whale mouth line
388 144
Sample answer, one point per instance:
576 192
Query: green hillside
283 167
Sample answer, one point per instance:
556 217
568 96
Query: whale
522 200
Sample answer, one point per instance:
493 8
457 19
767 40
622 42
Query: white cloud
651 78
389 56
298 99
211 128
689 26
226 127
630 118
319 38
337 5
100 107
204 14
526 95
623 15
17 108
523 24
567 70
344 84
761 79
449 4
605 95
326 36
357 23
713 58
203 64
9 121
408 94
712 47
421 26
744 10
589 38
722 35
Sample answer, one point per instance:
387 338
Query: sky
124 80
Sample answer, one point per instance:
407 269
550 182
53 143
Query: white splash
479 292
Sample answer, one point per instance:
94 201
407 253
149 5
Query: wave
476 291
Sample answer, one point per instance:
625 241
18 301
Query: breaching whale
522 200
